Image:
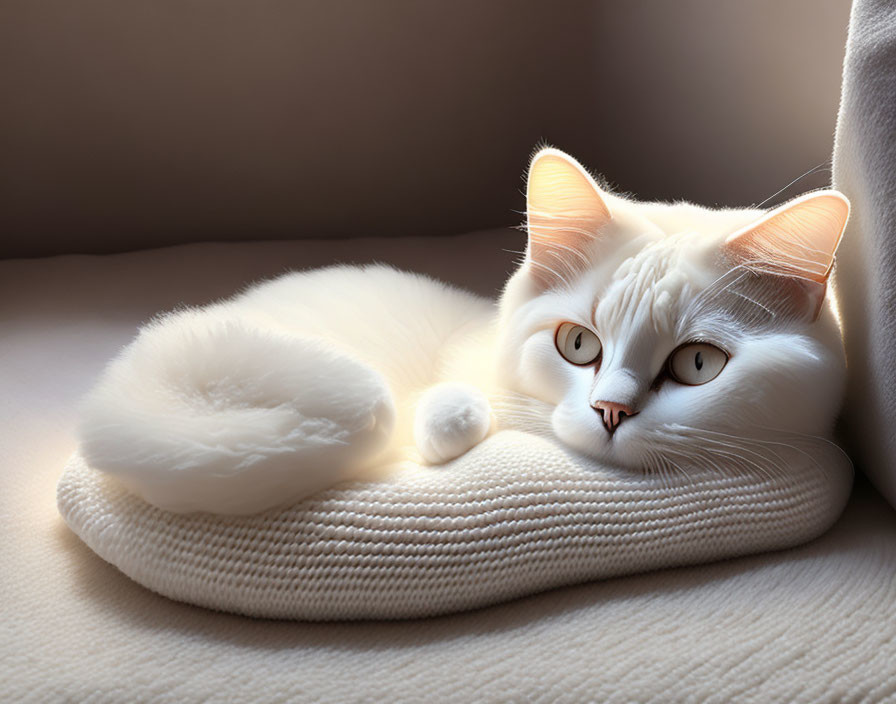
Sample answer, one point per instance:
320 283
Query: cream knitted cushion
514 516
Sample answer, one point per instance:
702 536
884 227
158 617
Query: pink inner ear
798 239
564 212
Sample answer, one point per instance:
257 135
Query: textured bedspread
815 623
865 170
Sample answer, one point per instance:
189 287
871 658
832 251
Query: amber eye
697 363
577 344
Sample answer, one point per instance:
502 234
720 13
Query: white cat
651 336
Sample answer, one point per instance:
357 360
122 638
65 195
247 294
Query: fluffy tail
206 411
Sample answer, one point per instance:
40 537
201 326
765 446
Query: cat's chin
590 438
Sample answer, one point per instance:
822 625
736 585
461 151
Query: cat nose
612 413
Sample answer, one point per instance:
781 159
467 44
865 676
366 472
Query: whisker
823 166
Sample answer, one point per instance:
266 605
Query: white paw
449 420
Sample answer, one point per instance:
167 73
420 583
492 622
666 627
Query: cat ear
564 212
797 241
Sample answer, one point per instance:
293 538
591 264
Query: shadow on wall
128 126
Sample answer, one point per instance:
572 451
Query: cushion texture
514 516
810 624
865 170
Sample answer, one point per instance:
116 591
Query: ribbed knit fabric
515 516
864 168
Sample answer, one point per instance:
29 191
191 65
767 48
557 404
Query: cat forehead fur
649 256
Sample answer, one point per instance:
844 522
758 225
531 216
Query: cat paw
450 419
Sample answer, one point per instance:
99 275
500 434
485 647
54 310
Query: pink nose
612 413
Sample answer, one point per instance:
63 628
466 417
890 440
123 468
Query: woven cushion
514 516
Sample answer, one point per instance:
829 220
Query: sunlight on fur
666 339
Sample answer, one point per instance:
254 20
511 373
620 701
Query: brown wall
152 122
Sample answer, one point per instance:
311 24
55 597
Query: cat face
662 336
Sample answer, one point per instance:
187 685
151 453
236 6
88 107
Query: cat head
655 335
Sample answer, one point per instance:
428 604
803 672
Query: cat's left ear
797 240
564 214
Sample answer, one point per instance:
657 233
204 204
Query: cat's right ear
564 214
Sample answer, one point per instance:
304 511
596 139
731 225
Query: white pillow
516 515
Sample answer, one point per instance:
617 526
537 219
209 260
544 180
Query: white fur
316 377
286 389
451 418
783 383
